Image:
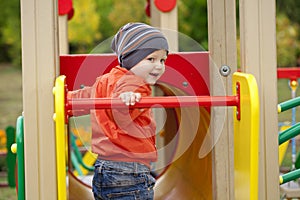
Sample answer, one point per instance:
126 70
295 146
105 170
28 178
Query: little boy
124 139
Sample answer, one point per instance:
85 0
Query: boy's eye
151 59
162 61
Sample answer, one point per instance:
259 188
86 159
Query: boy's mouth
154 74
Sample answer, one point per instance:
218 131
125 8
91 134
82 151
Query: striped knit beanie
134 41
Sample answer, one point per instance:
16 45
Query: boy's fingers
135 98
138 97
130 98
125 98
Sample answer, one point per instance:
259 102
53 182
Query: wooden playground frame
40 56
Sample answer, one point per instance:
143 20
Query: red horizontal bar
288 73
145 102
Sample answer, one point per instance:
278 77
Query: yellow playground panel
59 118
246 138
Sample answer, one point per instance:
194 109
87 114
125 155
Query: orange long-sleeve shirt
121 134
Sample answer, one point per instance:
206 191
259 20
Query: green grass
11 95
7 193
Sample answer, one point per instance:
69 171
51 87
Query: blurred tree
105 7
289 7
83 28
127 11
104 18
287 41
288 37
10 32
193 24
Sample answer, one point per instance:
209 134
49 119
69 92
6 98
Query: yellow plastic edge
283 147
278 108
246 138
59 100
280 180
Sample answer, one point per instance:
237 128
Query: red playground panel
188 71
288 73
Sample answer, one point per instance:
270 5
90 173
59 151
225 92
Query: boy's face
152 67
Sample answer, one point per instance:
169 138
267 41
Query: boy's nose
159 65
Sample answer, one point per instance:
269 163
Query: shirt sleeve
125 117
77 94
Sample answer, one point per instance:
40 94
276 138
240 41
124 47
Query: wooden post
39 68
168 22
63 34
258 57
222 47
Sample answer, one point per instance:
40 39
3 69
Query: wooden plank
258 57
39 67
222 46
63 34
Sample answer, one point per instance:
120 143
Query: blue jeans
122 181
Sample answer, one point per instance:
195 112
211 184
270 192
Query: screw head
185 84
225 70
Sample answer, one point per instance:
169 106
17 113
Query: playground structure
83 190
258 57
289 188
246 159
292 75
190 187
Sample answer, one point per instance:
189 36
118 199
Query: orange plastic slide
188 177
78 189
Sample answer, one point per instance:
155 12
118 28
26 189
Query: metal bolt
225 70
185 84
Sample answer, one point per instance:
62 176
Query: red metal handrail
167 102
